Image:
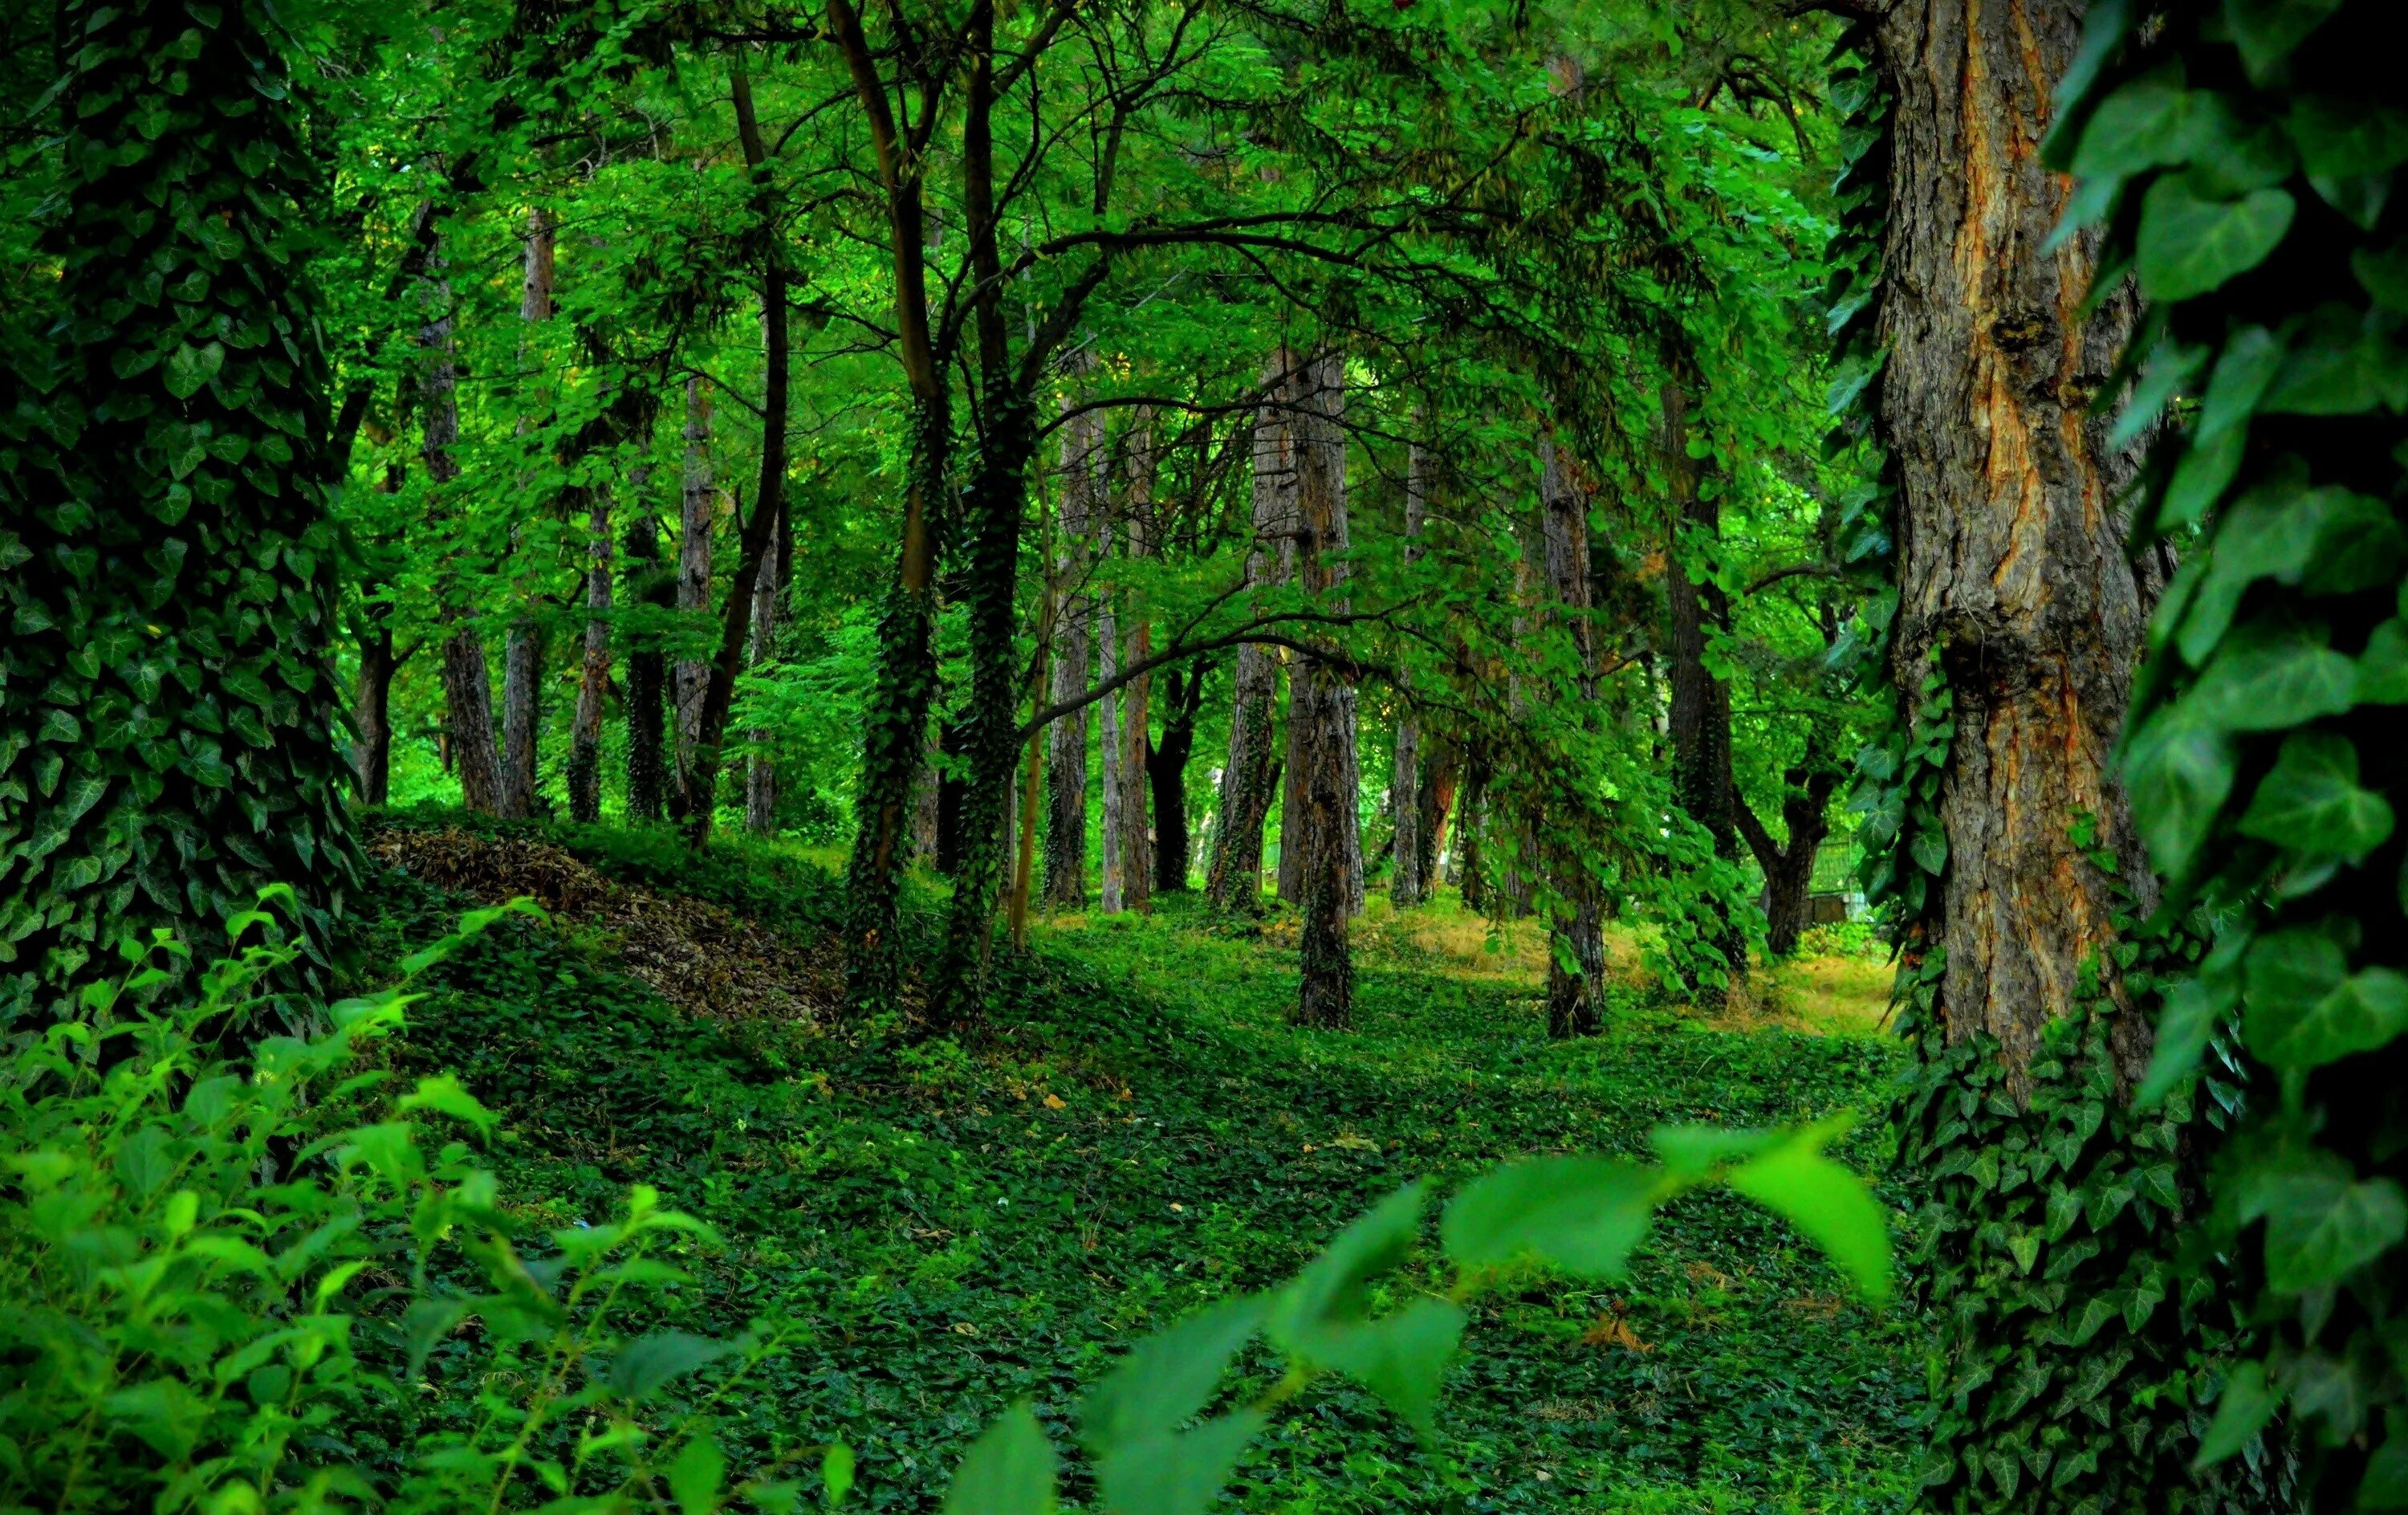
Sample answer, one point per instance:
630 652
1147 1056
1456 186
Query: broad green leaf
2189 244
2311 800
2170 367
836 1472
1693 1152
2193 1011
2321 1226
1332 1288
1008 1471
2349 148
443 1094
2266 31
648 1364
1827 1202
1580 1213
1401 1357
2251 358
2242 1411
696 1476
1179 1473
2303 1007
2385 274
1169 1376
2178 772
2268 682
2137 127
188 368
2341 363
2383 667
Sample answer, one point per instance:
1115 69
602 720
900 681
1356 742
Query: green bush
221 1273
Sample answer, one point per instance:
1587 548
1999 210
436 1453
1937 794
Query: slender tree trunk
952 789
1165 770
467 686
1576 964
1136 842
1438 810
760 771
523 652
651 583
585 728
372 716
927 789
1023 834
1405 881
1790 870
1113 747
1470 868
1252 776
1701 714
2010 539
1066 749
1321 705
696 515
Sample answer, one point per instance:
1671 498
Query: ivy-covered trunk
768 595
1576 963
1251 776
698 511
1699 718
169 743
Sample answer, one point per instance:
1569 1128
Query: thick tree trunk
1700 706
1790 870
1166 771
1321 707
698 512
1407 885
1251 776
1436 806
1576 964
467 686
522 650
1074 613
927 789
1472 825
594 678
651 583
952 789
2010 539
768 603
372 716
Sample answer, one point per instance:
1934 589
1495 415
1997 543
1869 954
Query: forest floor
943 1229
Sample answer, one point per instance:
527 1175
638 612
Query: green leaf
1827 1202
2189 244
2385 274
1180 1473
1008 1471
1402 1357
2266 31
2383 667
443 1094
2341 363
2311 801
2193 1011
836 1472
2320 1226
2178 770
2305 1009
2137 127
2170 367
2349 149
188 368
1169 1376
2266 683
2241 1411
1930 848
1580 1213
1332 1288
648 1364
696 1476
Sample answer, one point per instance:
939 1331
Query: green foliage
2265 758
223 1278
167 726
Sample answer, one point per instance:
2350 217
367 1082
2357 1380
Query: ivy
2266 755
167 710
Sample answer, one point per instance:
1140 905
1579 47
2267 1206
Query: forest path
953 1226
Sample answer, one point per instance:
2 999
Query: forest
1184 756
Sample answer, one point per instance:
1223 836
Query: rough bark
372 716
768 595
698 512
1249 778
594 678
1321 715
926 803
1135 845
1166 771
651 583
1576 964
1405 881
467 686
2010 542
1114 748
1699 721
1074 613
523 649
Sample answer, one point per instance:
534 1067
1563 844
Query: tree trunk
1576 964
1471 824
1113 747
952 789
1250 777
2010 546
1438 810
372 716
1701 713
1406 880
698 512
1790 870
1136 841
927 801
522 650
1166 771
585 728
1321 707
768 597
467 686
1066 739
651 583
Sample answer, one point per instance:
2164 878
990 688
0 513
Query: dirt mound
699 956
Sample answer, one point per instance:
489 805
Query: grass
946 1228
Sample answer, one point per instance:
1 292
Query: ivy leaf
1580 1213
2179 770
2266 31
1008 1471
2241 1411
646 1364
2385 274
2190 244
2349 148
2383 667
2320 1226
2311 801
1929 849
2193 1011
2251 358
2304 1008
2342 364
1180 1473
2271 680
2137 127
188 368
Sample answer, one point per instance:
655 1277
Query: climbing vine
168 720
2242 156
